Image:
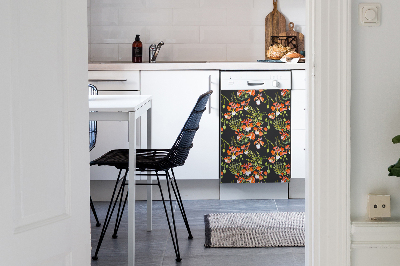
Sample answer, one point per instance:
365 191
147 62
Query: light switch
369 14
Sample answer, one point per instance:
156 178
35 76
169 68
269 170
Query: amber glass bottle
137 50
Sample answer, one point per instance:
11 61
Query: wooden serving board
299 36
275 23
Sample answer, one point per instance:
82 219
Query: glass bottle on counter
137 50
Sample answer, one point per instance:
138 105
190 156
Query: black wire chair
149 161
92 143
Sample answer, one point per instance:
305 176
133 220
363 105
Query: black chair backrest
180 150
92 124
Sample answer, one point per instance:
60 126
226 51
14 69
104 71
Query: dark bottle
137 50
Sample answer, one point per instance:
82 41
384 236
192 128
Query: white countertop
196 66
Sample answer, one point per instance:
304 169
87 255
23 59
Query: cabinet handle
254 83
209 99
99 80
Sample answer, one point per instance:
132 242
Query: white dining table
127 108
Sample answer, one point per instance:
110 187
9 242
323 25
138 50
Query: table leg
132 190
149 178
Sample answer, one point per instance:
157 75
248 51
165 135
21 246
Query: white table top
115 103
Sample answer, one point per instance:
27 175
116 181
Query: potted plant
394 170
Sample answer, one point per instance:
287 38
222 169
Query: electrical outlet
378 206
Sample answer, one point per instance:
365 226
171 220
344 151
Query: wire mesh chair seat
154 160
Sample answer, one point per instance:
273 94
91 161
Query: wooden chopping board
292 32
275 23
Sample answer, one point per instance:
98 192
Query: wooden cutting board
292 32
275 23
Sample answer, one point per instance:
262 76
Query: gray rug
271 229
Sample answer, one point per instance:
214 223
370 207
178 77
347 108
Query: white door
44 191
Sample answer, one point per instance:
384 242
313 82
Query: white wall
375 120
375 108
193 30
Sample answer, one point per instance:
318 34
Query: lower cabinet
298 124
174 96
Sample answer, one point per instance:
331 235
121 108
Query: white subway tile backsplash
173 34
214 3
115 34
199 52
125 52
105 16
300 28
246 17
258 35
224 34
239 4
88 16
199 16
192 30
226 3
119 3
232 35
294 10
172 3
265 5
104 52
145 17
246 53
89 52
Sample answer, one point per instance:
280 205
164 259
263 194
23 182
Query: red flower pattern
251 130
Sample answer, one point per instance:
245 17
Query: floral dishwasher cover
255 136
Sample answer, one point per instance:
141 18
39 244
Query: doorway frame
328 223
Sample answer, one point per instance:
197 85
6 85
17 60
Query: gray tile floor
155 248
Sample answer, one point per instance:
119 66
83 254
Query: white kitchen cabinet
298 124
112 134
174 96
115 80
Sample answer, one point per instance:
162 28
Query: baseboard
254 191
297 188
101 190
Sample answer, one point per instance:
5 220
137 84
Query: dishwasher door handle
249 83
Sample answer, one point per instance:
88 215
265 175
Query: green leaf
396 139
394 170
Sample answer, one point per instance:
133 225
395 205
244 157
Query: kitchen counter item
275 23
299 37
137 50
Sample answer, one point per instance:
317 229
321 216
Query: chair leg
109 212
94 213
174 239
120 211
180 203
